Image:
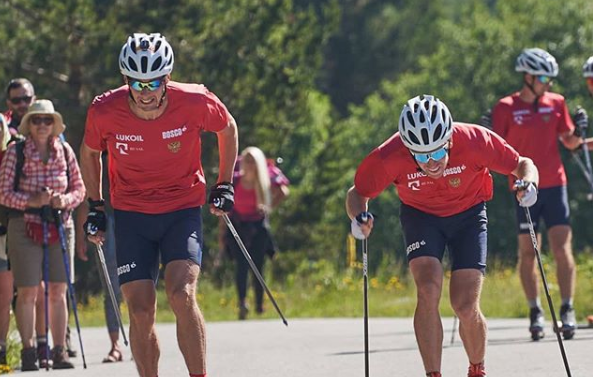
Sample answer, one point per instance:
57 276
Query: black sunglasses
17 100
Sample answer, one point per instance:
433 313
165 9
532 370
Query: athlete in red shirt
532 120
441 172
151 129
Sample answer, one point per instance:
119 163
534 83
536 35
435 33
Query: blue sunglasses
544 79
151 85
437 155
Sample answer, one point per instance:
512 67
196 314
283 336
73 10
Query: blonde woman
5 274
259 187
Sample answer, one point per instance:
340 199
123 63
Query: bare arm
279 193
91 169
228 147
526 170
570 140
355 203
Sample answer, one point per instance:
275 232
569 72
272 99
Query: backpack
20 162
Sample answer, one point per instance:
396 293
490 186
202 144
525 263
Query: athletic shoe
71 351
243 311
29 359
567 316
537 323
476 370
3 356
434 374
60 358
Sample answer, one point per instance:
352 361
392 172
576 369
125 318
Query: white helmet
536 61
146 56
588 68
425 124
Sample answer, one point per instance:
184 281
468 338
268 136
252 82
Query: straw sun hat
42 107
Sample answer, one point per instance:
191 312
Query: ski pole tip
285 322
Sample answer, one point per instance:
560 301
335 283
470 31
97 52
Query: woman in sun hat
50 176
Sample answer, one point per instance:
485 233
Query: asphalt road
334 347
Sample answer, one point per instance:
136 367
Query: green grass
315 289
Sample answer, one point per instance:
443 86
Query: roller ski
568 321
537 322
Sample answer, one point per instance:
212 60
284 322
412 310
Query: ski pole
365 250
65 257
585 169
111 292
454 330
252 265
545 283
46 286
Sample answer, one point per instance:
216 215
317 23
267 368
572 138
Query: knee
429 293
142 311
465 310
57 293
27 295
181 299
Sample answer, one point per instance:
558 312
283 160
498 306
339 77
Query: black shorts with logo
465 235
551 205
143 241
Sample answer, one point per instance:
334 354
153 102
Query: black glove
95 221
486 119
222 196
581 119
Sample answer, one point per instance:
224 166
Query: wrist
100 203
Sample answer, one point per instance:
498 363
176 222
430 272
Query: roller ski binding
537 322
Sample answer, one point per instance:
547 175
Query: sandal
113 356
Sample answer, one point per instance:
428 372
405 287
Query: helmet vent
156 64
132 64
422 117
157 46
413 137
410 117
437 132
144 64
425 138
433 115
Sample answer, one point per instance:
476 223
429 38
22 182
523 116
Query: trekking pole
111 292
65 256
585 169
46 286
545 282
365 250
252 265
454 330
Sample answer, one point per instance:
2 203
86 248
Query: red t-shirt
155 165
465 183
535 135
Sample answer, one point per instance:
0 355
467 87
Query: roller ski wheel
536 326
537 333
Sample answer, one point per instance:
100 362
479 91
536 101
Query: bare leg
40 311
428 276
466 287
58 313
560 238
25 314
6 290
181 277
140 295
528 267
